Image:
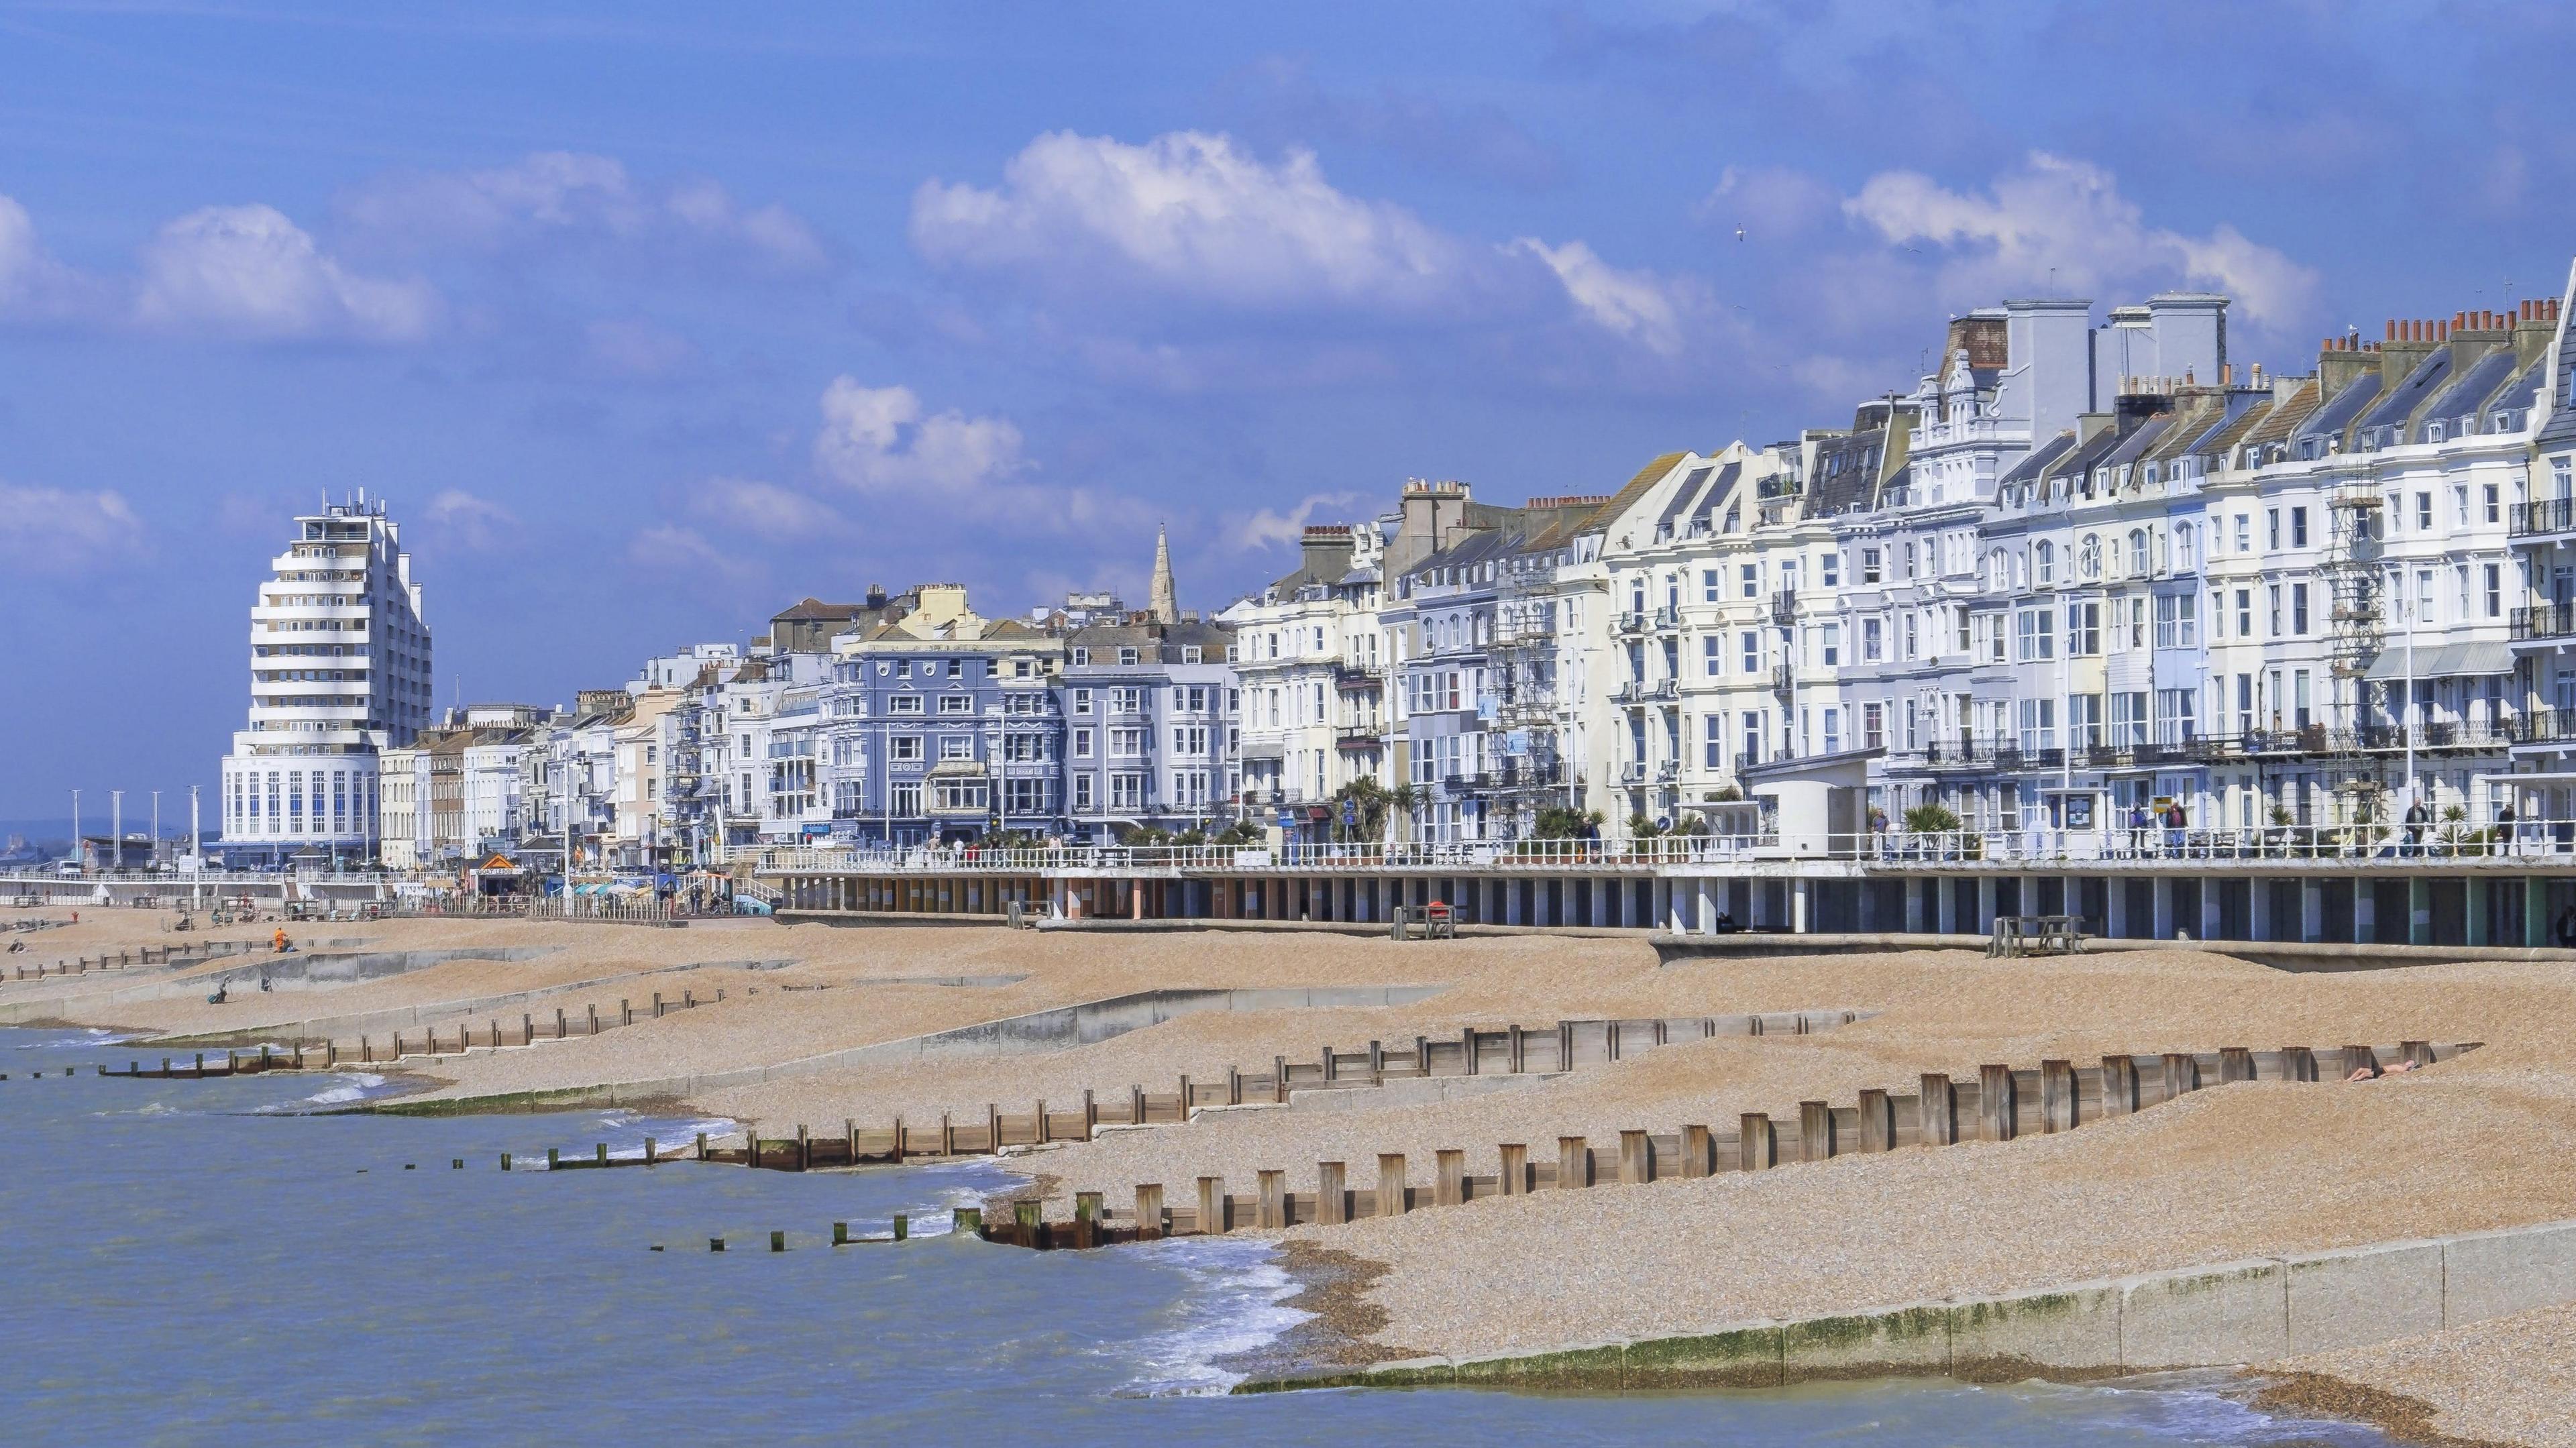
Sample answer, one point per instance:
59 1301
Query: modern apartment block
340 670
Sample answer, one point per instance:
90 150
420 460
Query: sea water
200 1261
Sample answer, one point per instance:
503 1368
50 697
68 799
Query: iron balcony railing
2549 515
2549 621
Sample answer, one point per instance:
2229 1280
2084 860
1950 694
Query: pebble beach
2250 1169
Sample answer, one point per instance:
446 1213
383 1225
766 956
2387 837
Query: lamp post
77 858
116 825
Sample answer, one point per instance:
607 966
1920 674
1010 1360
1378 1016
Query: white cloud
32 283
1190 214
685 555
562 193
54 529
1632 304
763 508
2067 217
1267 528
1197 220
477 523
876 439
1769 202
247 271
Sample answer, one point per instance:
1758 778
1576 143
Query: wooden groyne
190 953
1475 1052
431 1042
2000 1103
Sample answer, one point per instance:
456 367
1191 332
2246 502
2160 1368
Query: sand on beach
2484 1141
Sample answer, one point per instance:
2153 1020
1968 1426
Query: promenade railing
1895 849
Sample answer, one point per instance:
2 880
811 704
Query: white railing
2121 847
1488 855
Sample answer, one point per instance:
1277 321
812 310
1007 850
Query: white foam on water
1233 1302
82 1041
2199 1408
359 1085
671 1139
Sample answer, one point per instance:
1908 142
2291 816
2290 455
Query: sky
648 320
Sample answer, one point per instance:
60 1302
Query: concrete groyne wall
2221 1314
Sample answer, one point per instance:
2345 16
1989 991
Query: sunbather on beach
2374 1070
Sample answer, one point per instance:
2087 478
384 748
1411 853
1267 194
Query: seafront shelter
2282 885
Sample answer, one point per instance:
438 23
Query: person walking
2417 817
2175 823
2138 829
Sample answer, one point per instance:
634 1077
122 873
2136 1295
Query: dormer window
1081 656
1127 657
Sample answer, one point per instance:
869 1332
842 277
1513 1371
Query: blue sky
649 319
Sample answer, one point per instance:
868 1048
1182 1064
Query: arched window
2138 552
1998 574
2182 548
2088 557
2044 561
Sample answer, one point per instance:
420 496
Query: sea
189 1262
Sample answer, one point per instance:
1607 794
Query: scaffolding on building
1533 772
2357 593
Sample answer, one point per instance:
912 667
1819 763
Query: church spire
1166 608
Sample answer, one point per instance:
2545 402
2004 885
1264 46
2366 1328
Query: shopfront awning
2440 661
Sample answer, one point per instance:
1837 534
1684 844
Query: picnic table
2018 935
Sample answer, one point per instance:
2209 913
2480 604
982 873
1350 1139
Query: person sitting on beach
223 992
2374 1070
281 945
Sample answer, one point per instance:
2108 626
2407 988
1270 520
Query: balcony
2549 621
1540 775
1668 618
1633 772
2545 726
1631 693
1631 622
1358 678
1784 607
1360 737
2550 515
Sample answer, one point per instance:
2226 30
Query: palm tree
1401 802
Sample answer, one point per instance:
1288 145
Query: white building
340 670
1308 652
